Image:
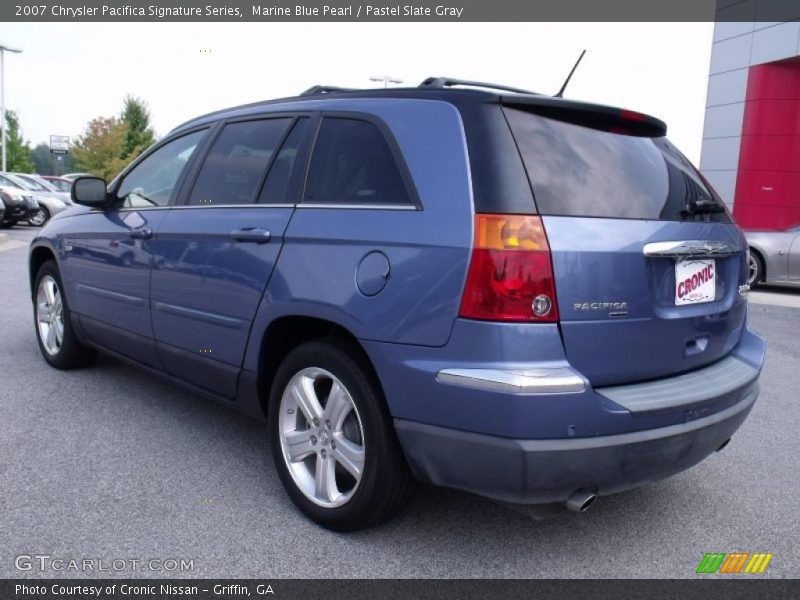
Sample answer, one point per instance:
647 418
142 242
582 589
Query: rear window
580 171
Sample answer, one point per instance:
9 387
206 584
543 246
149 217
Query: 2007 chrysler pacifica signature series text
529 298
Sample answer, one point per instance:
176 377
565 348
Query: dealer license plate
695 281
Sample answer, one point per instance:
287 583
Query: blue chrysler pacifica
533 299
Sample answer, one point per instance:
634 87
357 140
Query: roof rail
325 89
442 82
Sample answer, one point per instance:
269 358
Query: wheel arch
758 252
287 332
38 256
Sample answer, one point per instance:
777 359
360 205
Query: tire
64 352
7 224
40 217
755 267
385 482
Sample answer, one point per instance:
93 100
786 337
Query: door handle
253 235
142 233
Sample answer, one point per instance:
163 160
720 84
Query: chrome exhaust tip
580 501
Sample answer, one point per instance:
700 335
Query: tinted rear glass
353 164
579 171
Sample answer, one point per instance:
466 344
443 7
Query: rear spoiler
595 116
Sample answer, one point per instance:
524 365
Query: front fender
38 245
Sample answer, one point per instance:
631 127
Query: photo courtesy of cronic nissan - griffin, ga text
533 299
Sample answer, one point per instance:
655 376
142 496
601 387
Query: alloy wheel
321 437
50 314
38 218
752 270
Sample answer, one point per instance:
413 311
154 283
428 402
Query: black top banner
389 10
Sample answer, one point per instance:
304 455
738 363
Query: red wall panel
770 152
774 81
768 181
767 217
772 117
759 187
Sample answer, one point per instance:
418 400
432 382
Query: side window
153 180
234 168
353 164
277 184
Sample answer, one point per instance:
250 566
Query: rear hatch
647 262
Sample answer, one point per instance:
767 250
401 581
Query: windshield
60 184
24 183
7 180
42 183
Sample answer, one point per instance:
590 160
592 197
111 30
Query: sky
70 73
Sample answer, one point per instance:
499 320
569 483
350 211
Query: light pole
386 79
3 50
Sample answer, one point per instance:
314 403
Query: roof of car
452 95
441 89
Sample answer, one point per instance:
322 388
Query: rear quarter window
353 163
580 171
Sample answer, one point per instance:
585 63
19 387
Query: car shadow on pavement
444 521
161 471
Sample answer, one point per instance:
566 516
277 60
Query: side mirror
89 191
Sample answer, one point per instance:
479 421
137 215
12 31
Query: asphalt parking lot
109 463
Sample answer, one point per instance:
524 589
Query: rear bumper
551 470
533 392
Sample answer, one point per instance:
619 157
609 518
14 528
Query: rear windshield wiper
703 207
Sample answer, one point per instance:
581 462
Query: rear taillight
511 275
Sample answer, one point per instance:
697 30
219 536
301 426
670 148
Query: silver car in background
774 257
50 203
43 185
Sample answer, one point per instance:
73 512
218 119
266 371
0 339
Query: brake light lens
632 115
511 274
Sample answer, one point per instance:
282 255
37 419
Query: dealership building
751 138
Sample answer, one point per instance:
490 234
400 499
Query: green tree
50 164
99 150
18 151
42 159
139 134
108 144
